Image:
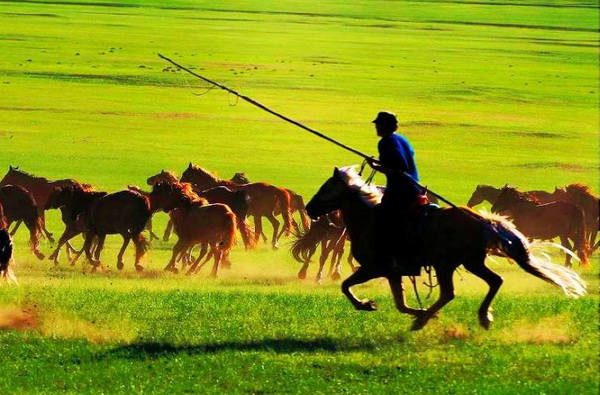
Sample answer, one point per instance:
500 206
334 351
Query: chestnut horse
72 200
264 199
19 205
197 222
39 187
449 237
329 232
581 195
238 201
545 222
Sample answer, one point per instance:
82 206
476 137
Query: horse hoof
486 320
120 265
335 276
302 276
367 305
171 269
39 255
139 268
419 323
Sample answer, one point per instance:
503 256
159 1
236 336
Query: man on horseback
396 161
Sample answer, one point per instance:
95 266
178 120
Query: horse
197 222
125 213
483 193
238 201
331 235
6 250
72 200
264 199
19 205
450 237
240 178
557 219
581 195
39 187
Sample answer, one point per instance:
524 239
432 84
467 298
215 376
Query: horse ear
190 165
336 172
10 167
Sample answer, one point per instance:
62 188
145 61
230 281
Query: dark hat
385 117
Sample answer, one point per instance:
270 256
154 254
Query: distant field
488 93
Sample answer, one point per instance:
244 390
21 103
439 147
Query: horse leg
126 240
303 270
67 235
34 240
325 251
178 248
218 254
153 236
168 230
14 231
46 231
338 252
194 268
564 241
444 276
397 288
98 250
275 224
358 277
493 280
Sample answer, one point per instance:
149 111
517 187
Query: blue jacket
395 152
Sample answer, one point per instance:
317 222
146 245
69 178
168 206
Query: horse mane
24 173
579 189
369 193
207 173
187 189
520 196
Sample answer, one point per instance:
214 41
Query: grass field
488 92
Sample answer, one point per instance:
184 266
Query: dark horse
72 200
39 187
6 250
450 237
19 205
546 221
483 193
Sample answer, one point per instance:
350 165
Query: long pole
319 134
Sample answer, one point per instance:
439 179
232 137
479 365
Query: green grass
488 93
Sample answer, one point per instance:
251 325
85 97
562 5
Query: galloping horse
490 194
197 222
19 205
581 195
264 199
329 232
238 201
450 237
557 219
39 187
72 200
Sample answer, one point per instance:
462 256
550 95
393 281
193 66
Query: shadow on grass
158 350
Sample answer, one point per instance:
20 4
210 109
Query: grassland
488 92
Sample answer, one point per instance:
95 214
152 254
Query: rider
396 156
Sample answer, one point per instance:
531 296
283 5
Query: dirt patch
548 330
18 319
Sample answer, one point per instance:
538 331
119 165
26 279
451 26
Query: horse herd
208 211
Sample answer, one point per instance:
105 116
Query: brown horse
545 222
449 237
72 200
238 201
582 196
125 213
197 222
19 205
39 187
488 193
264 199
331 237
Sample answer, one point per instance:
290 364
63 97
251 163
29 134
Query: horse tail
283 198
580 240
303 214
306 243
141 246
229 232
504 239
35 225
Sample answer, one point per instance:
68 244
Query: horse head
163 176
240 178
60 196
329 197
169 196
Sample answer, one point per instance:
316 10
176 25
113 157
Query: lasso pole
316 133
